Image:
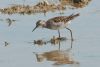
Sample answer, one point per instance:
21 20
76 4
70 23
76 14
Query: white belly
58 26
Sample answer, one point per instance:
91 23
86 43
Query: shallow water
19 53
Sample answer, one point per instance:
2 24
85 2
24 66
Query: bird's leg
59 45
59 33
71 43
59 38
71 33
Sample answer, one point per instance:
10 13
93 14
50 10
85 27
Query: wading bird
57 23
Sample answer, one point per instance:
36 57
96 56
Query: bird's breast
55 25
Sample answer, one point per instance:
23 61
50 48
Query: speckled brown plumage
64 19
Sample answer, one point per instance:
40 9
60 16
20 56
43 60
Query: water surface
19 53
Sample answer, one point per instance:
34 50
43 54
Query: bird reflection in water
59 57
54 41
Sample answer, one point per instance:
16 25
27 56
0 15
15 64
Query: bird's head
39 23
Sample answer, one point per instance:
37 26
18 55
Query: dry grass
41 7
75 3
44 7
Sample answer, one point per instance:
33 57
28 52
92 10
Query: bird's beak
34 28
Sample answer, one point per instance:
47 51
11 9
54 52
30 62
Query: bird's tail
72 16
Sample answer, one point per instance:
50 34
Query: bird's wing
58 19
64 19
